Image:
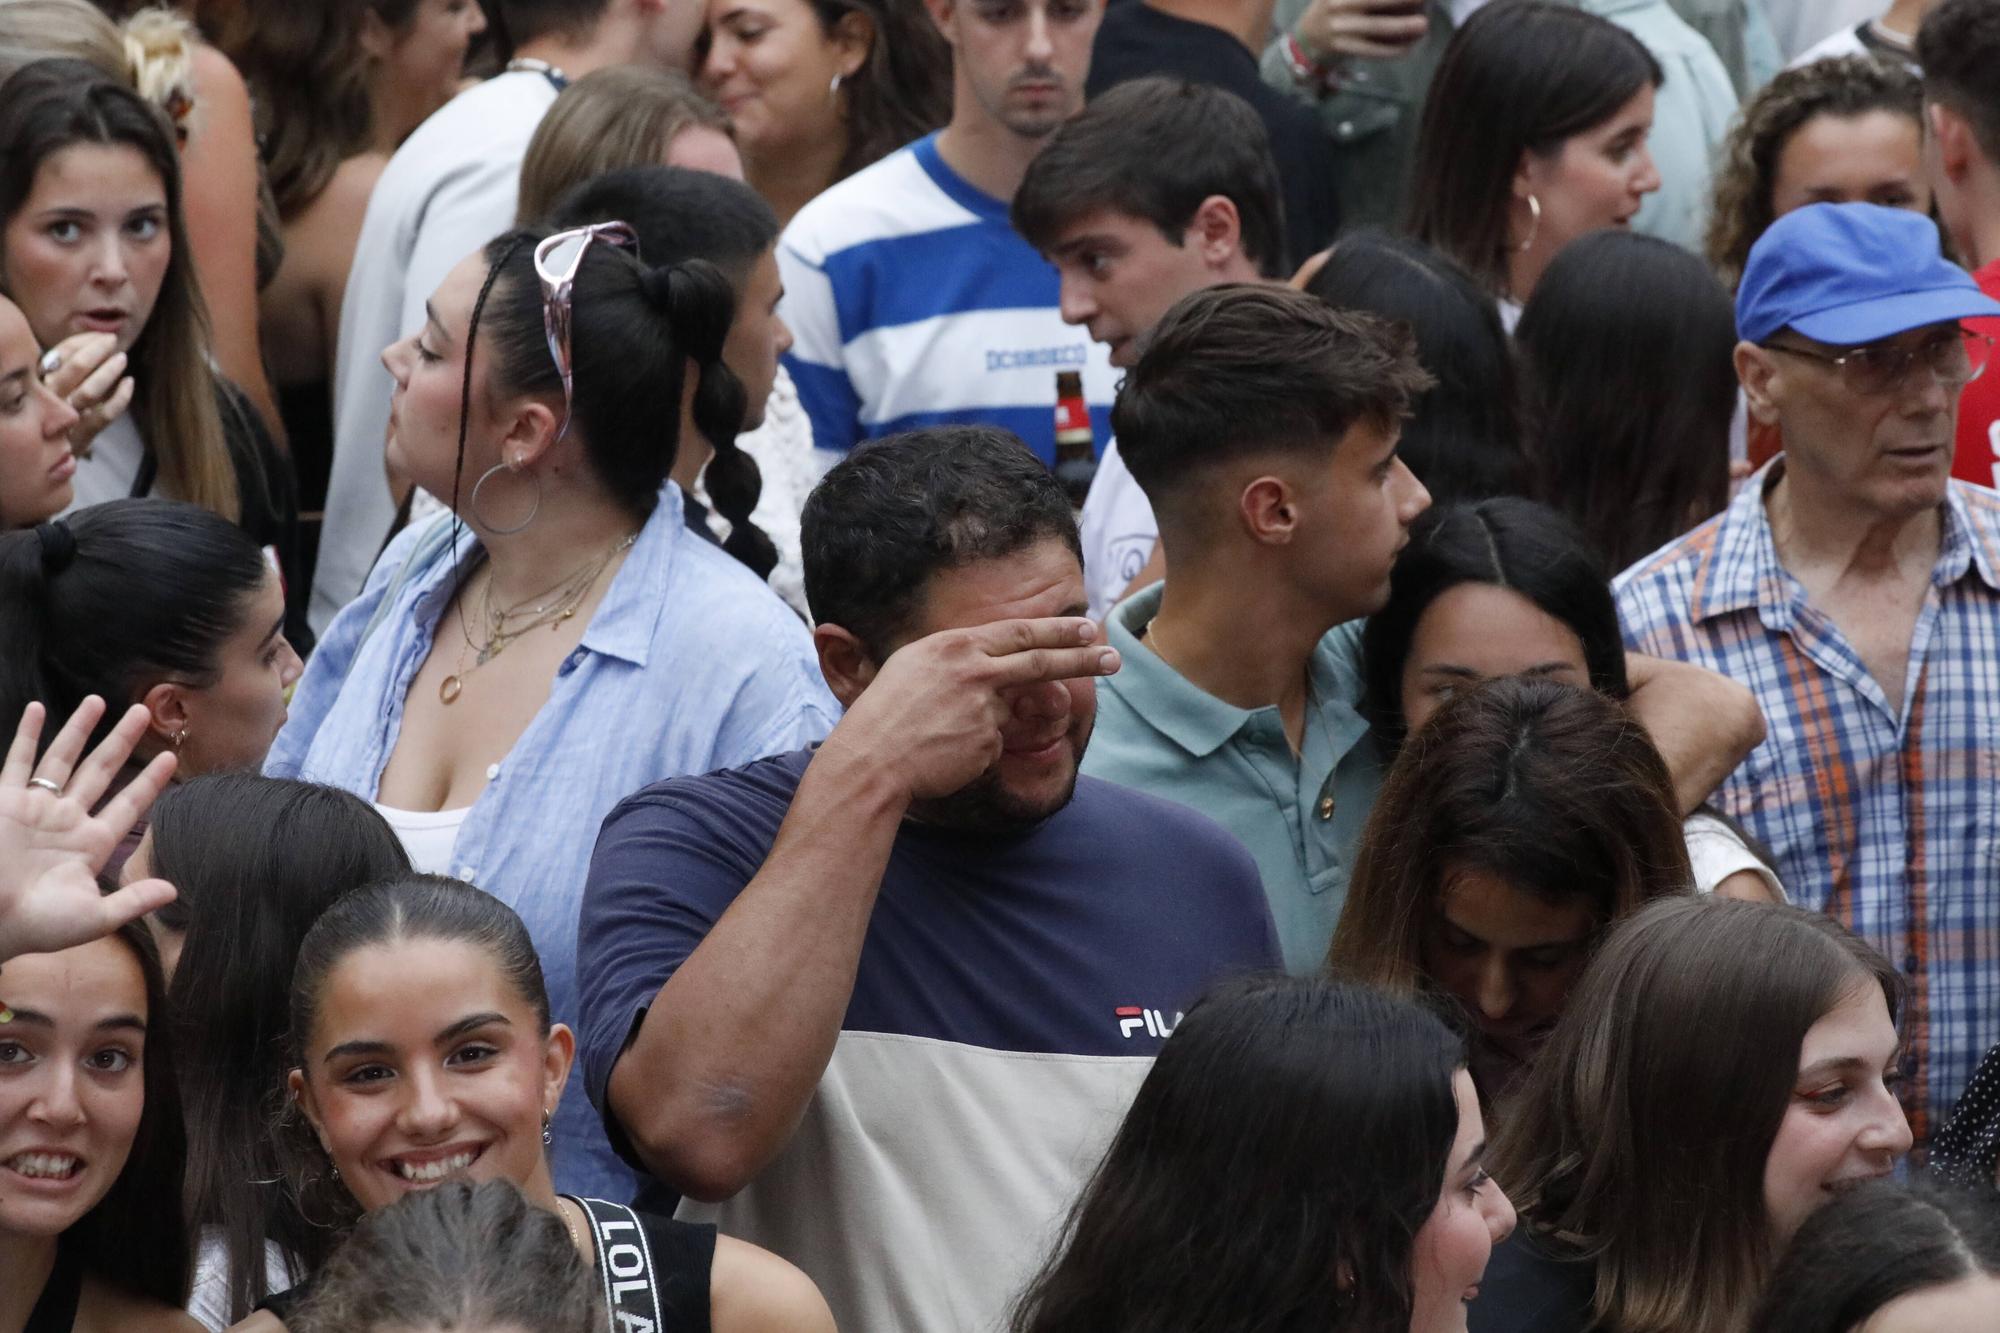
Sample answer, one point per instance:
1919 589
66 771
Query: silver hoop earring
472 503
1534 224
833 88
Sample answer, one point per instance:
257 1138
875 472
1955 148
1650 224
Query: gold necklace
565 598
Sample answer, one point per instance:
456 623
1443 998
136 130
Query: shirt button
492 772
1910 965
1346 129
467 872
1326 807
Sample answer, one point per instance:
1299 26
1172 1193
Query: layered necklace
505 624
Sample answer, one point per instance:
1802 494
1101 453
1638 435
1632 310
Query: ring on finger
51 361
53 788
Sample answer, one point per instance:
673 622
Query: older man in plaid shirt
1856 589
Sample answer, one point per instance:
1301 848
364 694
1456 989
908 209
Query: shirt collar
1740 568
1190 716
627 621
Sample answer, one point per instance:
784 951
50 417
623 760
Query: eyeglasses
1956 358
557 260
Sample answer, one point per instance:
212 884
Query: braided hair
635 332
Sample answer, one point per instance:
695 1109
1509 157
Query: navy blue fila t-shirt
1010 995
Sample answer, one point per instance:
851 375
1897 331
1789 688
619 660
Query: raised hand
88 372
52 844
1360 29
933 714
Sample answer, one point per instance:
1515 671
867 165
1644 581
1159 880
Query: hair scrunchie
58 546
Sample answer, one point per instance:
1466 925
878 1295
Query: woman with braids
561 638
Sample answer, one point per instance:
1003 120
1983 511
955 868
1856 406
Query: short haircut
518 21
1248 369
1959 48
901 509
1154 149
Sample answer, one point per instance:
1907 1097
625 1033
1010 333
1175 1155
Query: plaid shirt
1886 815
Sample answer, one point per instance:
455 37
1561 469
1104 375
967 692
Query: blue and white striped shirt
913 302
689 664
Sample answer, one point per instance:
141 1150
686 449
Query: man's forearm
1703 723
734 1045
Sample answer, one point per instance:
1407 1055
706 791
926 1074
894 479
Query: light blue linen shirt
689 664
1300 814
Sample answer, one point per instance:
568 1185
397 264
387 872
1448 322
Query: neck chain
570 1227
504 624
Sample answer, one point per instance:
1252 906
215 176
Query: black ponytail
701 305
635 331
115 599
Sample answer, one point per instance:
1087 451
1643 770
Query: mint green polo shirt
1300 815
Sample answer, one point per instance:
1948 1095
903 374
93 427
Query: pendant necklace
505 624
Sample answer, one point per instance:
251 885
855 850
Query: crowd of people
1069 666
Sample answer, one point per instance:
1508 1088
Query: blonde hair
152 50
623 116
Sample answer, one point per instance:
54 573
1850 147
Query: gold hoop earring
1534 224
179 738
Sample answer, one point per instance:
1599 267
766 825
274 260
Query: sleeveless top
55 1310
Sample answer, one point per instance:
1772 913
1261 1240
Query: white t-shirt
450 189
1717 852
1118 531
1851 41
113 465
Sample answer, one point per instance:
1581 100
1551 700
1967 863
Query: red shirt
1977 458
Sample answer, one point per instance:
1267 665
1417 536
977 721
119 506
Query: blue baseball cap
1847 274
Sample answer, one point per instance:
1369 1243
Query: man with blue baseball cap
1855 587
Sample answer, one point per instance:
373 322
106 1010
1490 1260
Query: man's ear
1269 510
1953 137
848 666
1216 230
1757 370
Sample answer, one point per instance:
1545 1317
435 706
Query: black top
55 1308
1528 1288
1136 40
1967 1149
683 1256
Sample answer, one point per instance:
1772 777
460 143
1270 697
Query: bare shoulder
260 1321
751 1290
106 1309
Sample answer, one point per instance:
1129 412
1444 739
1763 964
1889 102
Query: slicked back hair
905 507
1250 369
1154 149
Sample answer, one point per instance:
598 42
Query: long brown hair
1553 788
1640 1138
49 106
305 63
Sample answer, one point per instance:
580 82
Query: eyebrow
1839 1064
370 1046
276 629
1472 1158
12 375
431 318
116 1022
1100 240
1467 673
